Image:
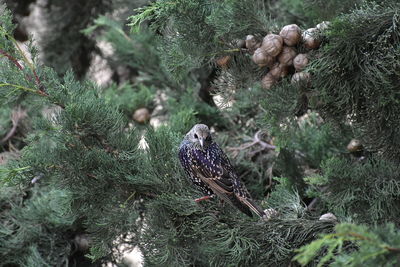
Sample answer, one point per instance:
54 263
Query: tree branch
256 141
16 116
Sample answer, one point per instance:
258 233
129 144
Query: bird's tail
253 206
246 205
241 206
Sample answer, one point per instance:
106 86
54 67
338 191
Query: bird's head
200 136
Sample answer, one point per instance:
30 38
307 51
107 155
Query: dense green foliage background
73 161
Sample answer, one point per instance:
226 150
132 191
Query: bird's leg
202 198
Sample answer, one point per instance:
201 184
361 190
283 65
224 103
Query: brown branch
41 90
104 144
37 79
10 133
12 59
91 175
392 249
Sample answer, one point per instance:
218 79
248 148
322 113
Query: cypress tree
90 169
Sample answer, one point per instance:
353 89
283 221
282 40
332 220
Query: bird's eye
208 138
195 136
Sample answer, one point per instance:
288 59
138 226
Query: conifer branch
20 87
361 237
233 50
40 91
93 158
392 249
11 58
24 58
104 144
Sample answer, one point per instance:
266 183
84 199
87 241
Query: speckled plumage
211 171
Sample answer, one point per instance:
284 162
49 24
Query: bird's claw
202 198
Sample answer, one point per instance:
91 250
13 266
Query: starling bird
211 172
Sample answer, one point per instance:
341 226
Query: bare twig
104 144
315 200
12 148
256 141
270 176
312 204
16 116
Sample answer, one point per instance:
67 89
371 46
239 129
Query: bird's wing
215 170
186 159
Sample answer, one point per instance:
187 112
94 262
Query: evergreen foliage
346 90
130 98
203 23
87 169
34 232
356 75
345 177
5 120
355 245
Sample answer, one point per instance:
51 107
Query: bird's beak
201 140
